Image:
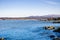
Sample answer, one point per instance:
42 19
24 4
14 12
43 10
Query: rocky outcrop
51 36
56 22
56 38
1 38
57 30
49 27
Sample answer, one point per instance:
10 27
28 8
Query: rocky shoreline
55 30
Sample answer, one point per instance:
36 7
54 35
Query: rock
57 22
1 38
57 30
49 27
56 38
51 36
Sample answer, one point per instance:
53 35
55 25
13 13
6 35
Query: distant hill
55 16
46 17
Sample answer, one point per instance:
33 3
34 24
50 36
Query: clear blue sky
22 8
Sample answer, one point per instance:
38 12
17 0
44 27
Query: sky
23 8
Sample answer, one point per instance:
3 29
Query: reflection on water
25 30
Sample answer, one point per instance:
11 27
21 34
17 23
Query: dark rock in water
56 22
56 38
1 38
57 30
49 27
51 36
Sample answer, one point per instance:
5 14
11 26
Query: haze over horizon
23 8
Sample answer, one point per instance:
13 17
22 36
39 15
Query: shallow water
25 30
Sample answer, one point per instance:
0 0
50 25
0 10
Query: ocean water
26 30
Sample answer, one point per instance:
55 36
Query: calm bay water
25 29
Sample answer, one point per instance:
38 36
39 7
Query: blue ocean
26 29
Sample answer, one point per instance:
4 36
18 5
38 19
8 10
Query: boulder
57 22
57 30
49 27
1 38
51 36
56 38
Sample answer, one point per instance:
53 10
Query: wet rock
1 38
57 22
51 36
49 27
56 38
57 30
